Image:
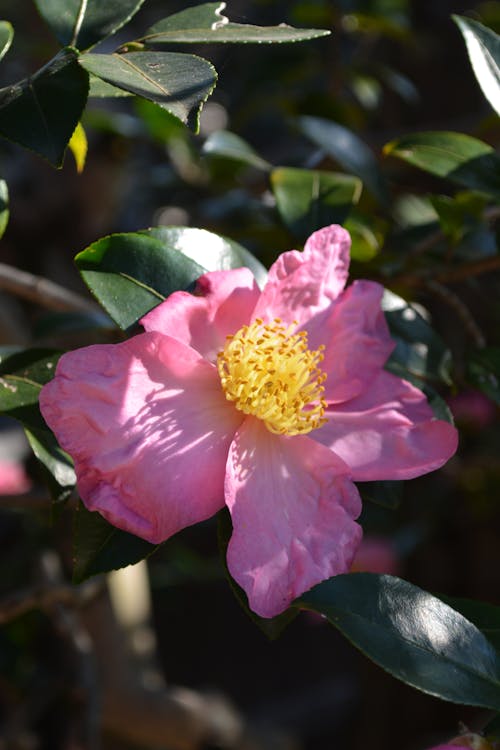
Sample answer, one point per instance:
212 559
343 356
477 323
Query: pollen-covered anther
268 371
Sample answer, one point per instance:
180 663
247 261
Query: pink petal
357 340
292 504
223 301
301 285
149 429
388 432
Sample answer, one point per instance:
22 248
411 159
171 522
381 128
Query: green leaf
211 251
59 472
492 729
483 371
99 547
456 156
178 83
83 23
206 24
411 634
129 274
483 47
228 145
101 90
486 617
41 112
309 199
6 37
420 353
272 626
4 207
348 150
386 493
366 241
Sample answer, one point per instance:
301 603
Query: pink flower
272 402
13 478
376 554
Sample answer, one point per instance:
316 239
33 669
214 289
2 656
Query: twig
461 310
46 596
42 291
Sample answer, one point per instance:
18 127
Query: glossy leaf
99 547
456 156
348 150
59 472
411 634
83 23
308 199
178 83
4 207
206 24
129 274
483 47
211 251
78 146
228 145
6 37
31 112
486 617
483 371
420 354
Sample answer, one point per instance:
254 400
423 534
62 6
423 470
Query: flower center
269 372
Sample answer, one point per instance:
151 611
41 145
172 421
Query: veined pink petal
149 429
388 432
300 285
223 301
356 339
293 508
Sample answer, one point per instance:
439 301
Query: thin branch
46 596
461 310
42 291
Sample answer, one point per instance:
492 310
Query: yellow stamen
269 372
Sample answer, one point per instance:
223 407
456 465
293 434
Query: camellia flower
271 402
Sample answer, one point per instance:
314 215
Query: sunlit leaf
206 23
83 23
79 146
4 207
228 145
411 634
483 47
6 37
179 83
41 112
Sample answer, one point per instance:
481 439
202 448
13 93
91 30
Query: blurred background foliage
285 122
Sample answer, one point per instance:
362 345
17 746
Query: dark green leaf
348 150
483 371
178 83
486 617
59 471
411 634
129 274
309 199
31 112
483 47
388 494
99 547
6 36
492 729
366 240
205 23
456 156
101 90
211 251
83 23
228 145
420 354
273 626
4 207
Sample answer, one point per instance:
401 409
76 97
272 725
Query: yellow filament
268 371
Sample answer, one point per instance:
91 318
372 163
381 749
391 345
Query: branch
42 291
46 596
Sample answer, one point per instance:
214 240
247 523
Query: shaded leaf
411 634
272 626
456 156
99 547
4 207
483 371
178 83
388 494
211 251
308 199
59 472
6 37
366 241
483 47
100 89
83 23
31 113
78 146
492 729
206 23
486 617
129 274
348 150
228 145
